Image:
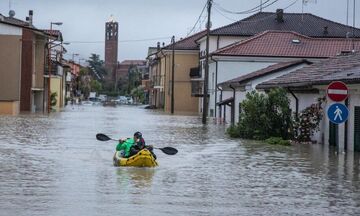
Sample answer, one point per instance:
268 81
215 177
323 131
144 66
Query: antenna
347 12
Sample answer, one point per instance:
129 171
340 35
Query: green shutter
357 129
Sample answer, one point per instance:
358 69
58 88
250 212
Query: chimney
280 15
30 17
326 30
158 46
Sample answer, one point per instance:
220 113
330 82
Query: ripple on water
55 166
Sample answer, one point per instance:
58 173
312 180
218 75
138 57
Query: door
357 129
333 134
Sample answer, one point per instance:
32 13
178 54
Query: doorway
333 134
357 129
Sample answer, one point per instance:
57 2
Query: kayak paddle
166 150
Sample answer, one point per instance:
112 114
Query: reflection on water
55 166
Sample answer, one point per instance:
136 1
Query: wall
228 70
10 55
39 63
354 100
56 87
184 103
27 68
9 107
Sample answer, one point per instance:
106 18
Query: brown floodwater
53 165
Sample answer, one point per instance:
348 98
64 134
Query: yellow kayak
143 158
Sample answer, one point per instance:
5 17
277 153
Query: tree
138 94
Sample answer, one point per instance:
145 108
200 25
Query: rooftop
289 44
344 68
304 23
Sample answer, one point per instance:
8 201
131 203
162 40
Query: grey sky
84 20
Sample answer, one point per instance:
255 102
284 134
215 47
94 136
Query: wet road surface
55 166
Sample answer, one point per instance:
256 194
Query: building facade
111 49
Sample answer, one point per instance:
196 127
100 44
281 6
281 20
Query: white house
263 50
310 82
233 92
305 24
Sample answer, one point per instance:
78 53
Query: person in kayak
131 146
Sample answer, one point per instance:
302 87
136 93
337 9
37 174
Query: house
58 74
184 64
309 83
156 88
124 70
27 91
264 50
303 23
233 92
10 43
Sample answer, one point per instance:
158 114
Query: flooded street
55 166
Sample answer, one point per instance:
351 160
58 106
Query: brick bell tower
111 48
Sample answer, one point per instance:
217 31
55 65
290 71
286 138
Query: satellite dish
11 13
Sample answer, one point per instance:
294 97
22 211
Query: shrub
263 116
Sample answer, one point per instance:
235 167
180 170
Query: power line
202 11
252 10
257 20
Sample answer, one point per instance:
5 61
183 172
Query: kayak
143 158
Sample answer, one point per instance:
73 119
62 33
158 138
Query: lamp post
49 64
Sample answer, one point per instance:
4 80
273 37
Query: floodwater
53 165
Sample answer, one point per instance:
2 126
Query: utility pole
172 74
206 76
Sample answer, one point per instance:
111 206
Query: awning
225 102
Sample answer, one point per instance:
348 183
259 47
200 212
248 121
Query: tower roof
111 19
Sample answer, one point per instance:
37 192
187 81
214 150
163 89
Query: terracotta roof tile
288 44
306 24
188 43
343 67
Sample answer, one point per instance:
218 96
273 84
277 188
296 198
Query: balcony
195 73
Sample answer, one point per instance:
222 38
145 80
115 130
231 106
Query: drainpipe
233 107
221 91
296 101
216 78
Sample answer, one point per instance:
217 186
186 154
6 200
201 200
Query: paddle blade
102 137
169 150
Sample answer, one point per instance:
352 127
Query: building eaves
188 43
342 68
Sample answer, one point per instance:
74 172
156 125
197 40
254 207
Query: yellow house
185 65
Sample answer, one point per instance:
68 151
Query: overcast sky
84 20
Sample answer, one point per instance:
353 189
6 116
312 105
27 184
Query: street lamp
49 64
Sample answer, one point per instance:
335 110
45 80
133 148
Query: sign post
338 113
337 91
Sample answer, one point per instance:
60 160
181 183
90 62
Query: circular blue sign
337 113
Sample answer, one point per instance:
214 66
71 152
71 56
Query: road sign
338 113
337 91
